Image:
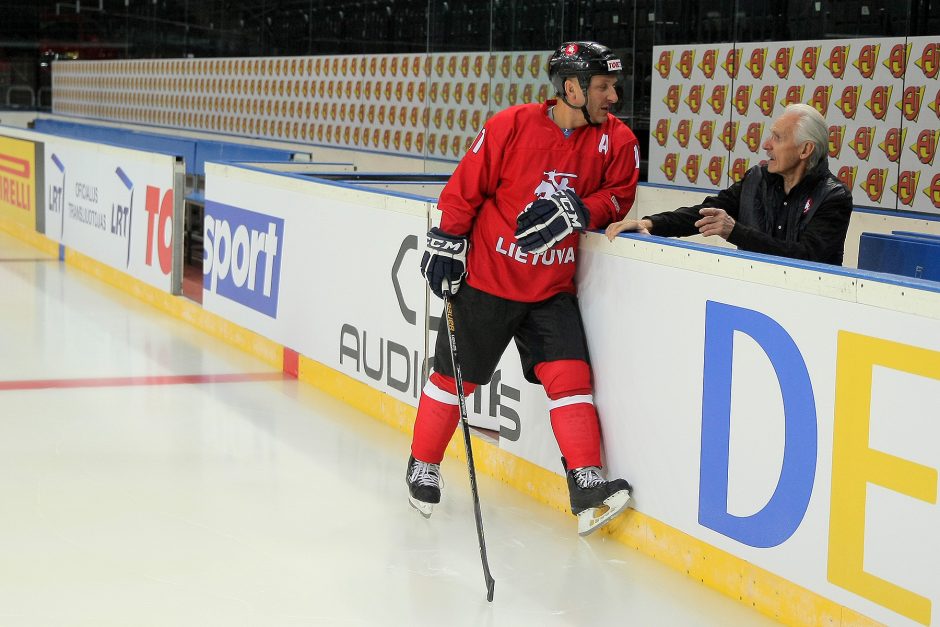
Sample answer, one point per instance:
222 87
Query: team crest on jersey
553 182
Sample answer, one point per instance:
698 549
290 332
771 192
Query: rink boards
777 419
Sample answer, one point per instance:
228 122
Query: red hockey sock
571 406
438 415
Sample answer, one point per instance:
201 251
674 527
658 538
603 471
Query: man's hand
715 222
547 221
616 228
444 263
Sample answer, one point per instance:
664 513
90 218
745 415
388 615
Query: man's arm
681 222
617 192
822 240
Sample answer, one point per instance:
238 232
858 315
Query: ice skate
424 485
594 500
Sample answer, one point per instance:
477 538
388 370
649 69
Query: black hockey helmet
582 60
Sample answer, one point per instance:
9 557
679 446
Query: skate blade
594 518
423 508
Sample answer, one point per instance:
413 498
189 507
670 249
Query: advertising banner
20 181
794 430
417 104
278 250
115 205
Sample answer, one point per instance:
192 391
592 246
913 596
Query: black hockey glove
445 261
547 221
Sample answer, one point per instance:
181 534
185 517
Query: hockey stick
462 401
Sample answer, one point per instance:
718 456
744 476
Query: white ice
257 504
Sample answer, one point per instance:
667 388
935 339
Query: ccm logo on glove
547 221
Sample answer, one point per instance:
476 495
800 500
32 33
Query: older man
792 206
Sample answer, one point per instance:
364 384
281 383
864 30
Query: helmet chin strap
583 108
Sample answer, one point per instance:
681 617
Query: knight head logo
433 91
409 92
718 98
933 191
794 95
694 99
535 65
867 60
732 62
879 101
906 189
399 90
445 92
505 66
664 65
910 103
673 98
438 117
485 93
498 94
820 99
490 66
527 93
926 145
464 66
893 143
715 169
809 61
520 65
837 61
706 131
874 184
419 143
475 119
477 66
683 131
752 136
513 94
738 169
394 66
691 167
458 93
452 66
729 135
742 99
661 133
848 102
670 165
709 62
471 93
847 174
929 61
414 116
861 144
934 104
408 141
766 100
757 61
782 61
686 63
462 121
836 134
897 59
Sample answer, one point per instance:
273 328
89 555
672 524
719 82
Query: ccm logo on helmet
614 65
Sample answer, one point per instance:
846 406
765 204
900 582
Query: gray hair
810 127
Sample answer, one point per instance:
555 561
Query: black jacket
808 223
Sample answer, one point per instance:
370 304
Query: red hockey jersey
521 155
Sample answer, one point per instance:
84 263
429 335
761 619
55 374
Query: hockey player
535 177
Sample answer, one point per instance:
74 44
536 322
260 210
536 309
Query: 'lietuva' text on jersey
519 156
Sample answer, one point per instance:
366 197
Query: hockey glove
445 261
547 221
